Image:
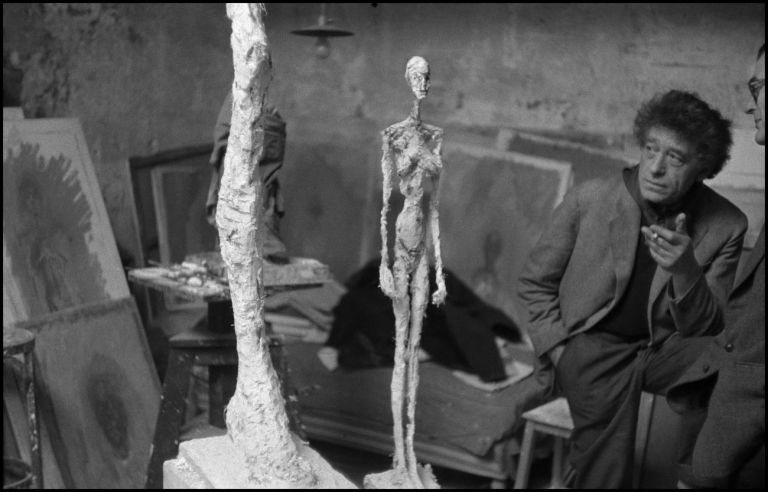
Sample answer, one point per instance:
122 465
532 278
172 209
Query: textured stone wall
141 79
151 77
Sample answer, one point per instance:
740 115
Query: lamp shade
322 29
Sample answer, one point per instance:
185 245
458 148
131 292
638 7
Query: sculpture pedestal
399 479
215 463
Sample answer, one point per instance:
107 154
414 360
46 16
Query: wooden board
58 247
493 207
95 369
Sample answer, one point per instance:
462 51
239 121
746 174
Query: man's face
668 167
757 107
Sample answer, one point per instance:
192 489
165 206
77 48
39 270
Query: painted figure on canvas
412 148
46 257
46 234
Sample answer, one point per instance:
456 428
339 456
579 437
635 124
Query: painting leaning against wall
58 247
493 207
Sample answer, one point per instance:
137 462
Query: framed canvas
96 378
58 247
170 189
493 208
180 192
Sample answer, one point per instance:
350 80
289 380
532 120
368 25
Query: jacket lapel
758 252
625 232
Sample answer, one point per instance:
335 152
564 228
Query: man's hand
556 353
673 251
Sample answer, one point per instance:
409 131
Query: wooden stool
553 418
19 341
218 352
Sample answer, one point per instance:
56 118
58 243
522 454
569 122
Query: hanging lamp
322 30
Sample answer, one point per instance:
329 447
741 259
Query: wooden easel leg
165 444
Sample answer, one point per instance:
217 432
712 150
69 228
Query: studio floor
355 464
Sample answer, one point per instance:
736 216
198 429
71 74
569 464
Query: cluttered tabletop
203 276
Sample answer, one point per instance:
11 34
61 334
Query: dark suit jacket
581 265
730 378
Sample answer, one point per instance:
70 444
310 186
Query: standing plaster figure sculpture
414 148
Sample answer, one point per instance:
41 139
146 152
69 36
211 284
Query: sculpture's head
417 75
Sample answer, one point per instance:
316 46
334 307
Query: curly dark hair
692 120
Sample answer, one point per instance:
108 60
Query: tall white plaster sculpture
256 418
413 149
259 451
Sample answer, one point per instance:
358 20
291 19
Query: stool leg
221 387
557 464
165 444
497 484
526 457
34 430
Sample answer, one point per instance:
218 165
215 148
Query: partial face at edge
417 75
757 106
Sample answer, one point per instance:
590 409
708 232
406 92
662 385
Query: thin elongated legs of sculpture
413 148
402 318
419 291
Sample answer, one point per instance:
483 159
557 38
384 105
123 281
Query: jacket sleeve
539 282
699 311
221 132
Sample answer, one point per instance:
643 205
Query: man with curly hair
626 285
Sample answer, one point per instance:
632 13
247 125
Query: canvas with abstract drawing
58 247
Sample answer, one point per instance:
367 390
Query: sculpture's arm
438 297
386 281
435 134
438 137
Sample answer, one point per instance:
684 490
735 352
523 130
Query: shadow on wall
327 203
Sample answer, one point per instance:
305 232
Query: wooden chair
554 418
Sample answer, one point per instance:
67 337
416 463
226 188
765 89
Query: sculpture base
399 479
215 463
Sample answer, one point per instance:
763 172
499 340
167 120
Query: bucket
17 474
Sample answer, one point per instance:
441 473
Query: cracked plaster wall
149 77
